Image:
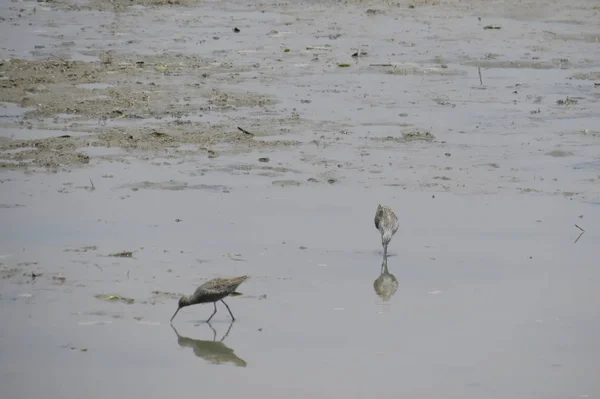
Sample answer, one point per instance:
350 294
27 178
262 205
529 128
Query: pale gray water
495 300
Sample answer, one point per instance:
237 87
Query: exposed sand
156 131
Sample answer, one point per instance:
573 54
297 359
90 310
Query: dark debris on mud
122 88
407 137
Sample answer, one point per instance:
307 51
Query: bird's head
183 302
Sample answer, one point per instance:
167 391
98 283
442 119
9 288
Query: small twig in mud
245 131
118 298
92 183
381 65
357 54
127 274
480 77
124 254
568 101
580 234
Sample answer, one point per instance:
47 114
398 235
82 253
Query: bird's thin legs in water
213 330
384 265
232 318
211 316
227 333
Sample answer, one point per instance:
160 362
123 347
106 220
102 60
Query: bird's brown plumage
212 291
386 222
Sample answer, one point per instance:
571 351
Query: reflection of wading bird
386 284
387 224
215 352
212 291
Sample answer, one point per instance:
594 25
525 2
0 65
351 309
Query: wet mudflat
147 147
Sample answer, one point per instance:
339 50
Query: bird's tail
236 281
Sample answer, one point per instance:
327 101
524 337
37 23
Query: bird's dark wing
221 285
214 286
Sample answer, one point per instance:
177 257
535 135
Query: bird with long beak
212 291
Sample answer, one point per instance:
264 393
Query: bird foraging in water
211 291
387 224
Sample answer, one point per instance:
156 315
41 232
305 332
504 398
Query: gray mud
147 146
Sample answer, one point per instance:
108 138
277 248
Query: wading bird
212 291
387 224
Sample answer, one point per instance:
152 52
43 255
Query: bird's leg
232 318
385 251
211 316
384 266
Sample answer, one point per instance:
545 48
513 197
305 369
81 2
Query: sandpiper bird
387 224
212 291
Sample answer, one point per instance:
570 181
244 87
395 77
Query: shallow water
494 297
495 258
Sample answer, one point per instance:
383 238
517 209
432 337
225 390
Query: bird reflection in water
215 352
386 284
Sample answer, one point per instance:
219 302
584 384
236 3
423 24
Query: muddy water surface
125 182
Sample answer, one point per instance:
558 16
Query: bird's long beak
175 314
